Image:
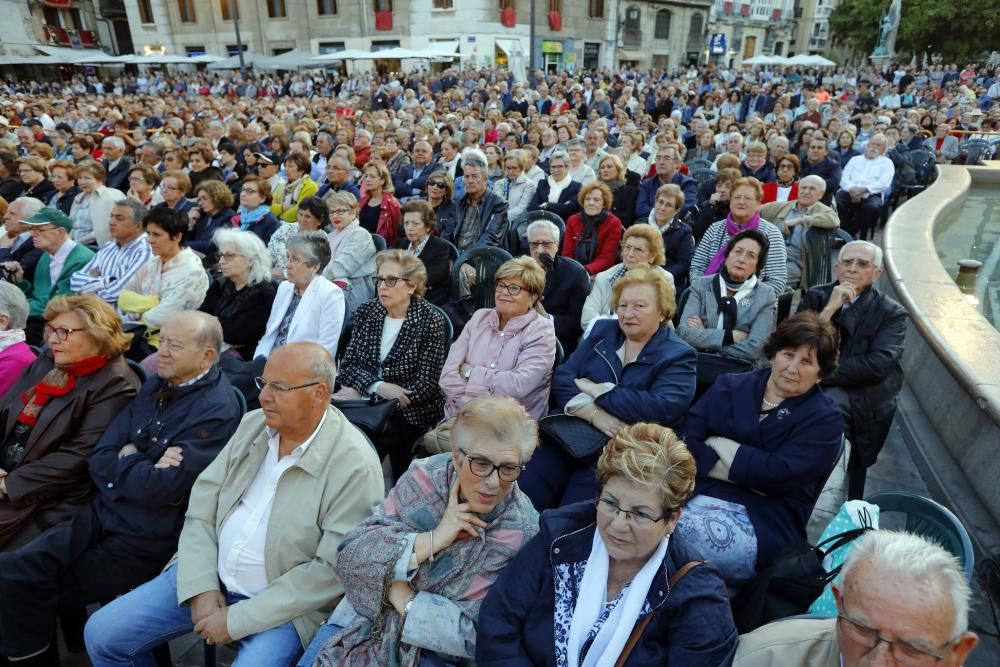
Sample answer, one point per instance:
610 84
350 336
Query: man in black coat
480 215
819 163
116 163
567 283
871 328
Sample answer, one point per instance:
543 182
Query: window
195 51
508 4
326 7
232 49
276 9
74 15
591 55
596 9
694 30
226 9
51 16
555 5
662 30
383 5
442 4
186 9
145 11
330 47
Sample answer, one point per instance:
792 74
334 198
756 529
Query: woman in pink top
507 350
15 355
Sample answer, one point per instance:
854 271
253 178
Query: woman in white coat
307 306
91 209
515 188
352 251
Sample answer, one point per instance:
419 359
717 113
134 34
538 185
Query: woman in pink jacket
15 355
507 350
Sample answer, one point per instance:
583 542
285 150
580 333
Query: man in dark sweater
143 468
567 283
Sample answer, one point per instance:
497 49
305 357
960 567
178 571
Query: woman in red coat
593 234
786 188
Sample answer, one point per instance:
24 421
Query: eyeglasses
250 191
513 290
390 281
902 652
637 518
228 256
541 244
61 333
263 384
339 211
859 263
435 184
508 472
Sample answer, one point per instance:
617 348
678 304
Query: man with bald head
255 562
864 184
143 468
793 218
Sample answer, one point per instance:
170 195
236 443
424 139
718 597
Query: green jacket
334 487
41 291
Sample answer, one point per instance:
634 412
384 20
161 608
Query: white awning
508 46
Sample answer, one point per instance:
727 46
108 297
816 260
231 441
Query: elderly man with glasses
901 600
263 526
143 468
871 328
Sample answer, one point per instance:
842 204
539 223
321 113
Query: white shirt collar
64 250
274 438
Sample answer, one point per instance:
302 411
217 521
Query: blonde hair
501 418
749 182
617 162
383 173
650 235
528 271
647 275
653 456
411 268
100 322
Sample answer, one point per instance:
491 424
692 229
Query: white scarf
556 188
11 337
743 292
590 603
338 237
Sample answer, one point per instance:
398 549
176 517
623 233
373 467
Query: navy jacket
678 243
647 195
829 170
200 238
263 228
136 499
26 254
783 464
565 207
765 174
183 206
346 186
691 624
567 285
657 387
407 185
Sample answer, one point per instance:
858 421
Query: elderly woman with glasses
352 251
420 240
397 350
593 234
516 188
91 209
314 216
642 245
242 299
34 173
142 185
597 577
416 572
254 215
214 212
55 412
558 193
507 350
174 184
15 354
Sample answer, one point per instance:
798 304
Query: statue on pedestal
888 29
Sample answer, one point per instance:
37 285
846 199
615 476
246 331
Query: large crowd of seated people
204 282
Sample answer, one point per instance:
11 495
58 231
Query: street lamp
239 42
531 40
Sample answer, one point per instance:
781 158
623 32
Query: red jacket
609 235
771 192
390 213
361 156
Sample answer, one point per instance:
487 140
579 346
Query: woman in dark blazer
397 350
214 212
420 228
566 203
73 392
243 296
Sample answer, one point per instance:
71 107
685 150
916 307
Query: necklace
769 405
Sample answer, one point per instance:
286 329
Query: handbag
640 627
371 414
790 584
576 438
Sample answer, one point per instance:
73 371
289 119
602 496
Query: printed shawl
462 573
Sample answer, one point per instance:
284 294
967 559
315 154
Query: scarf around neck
11 337
732 229
586 245
556 188
251 216
57 382
338 237
729 305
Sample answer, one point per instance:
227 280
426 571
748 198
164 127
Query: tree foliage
959 31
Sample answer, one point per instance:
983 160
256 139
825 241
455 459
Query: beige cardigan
337 483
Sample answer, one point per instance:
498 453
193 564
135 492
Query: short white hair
875 250
735 136
542 225
249 245
28 206
117 142
815 180
909 560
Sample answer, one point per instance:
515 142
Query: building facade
752 28
663 33
77 24
812 27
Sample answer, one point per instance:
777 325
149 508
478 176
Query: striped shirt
107 273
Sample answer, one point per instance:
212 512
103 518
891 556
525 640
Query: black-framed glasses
638 518
61 333
902 652
513 290
280 388
390 281
508 472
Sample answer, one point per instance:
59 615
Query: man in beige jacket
901 600
265 520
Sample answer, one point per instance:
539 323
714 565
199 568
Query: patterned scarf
462 573
57 382
732 229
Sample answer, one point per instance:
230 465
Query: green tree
957 31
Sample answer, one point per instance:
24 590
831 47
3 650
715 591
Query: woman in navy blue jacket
551 599
765 443
566 203
633 369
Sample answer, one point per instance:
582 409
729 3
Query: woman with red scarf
53 416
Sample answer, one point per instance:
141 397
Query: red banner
57 3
